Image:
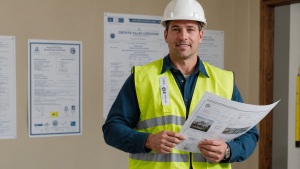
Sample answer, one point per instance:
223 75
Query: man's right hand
164 141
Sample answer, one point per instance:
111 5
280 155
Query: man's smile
183 45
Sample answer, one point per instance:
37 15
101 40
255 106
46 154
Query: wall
83 21
245 61
294 63
286 63
281 86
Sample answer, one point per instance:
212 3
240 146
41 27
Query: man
141 123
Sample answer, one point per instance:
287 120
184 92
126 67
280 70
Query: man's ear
201 36
166 36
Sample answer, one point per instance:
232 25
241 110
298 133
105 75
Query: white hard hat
184 10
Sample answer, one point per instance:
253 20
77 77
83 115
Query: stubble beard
180 56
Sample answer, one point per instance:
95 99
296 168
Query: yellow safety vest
156 117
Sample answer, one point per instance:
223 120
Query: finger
217 156
210 158
162 148
213 151
206 154
209 153
215 142
177 135
167 149
173 140
170 144
207 142
211 148
162 151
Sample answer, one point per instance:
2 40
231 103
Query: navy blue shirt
125 113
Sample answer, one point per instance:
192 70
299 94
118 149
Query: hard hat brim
203 23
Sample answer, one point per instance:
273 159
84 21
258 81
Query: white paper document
54 88
7 88
216 117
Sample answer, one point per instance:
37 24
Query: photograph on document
235 130
201 124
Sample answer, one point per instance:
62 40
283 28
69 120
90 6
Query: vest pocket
167 110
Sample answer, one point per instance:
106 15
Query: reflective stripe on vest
156 117
167 157
198 158
158 121
160 157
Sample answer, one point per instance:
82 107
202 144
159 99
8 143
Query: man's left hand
213 149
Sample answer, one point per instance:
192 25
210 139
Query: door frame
266 76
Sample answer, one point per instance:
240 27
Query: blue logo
47 124
112 35
73 123
110 19
73 50
38 124
73 107
55 123
37 49
121 20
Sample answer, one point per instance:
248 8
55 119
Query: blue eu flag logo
72 50
55 123
73 123
121 20
112 35
110 19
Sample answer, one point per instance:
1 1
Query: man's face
183 38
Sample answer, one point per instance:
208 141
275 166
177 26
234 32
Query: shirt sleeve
122 118
242 147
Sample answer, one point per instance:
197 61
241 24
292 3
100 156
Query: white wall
293 152
286 63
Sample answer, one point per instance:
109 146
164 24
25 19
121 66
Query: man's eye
175 29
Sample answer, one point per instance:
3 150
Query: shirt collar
167 64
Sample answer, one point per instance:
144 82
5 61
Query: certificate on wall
135 40
54 88
211 49
129 40
7 88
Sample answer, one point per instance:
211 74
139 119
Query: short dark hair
168 24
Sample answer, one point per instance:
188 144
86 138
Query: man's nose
183 35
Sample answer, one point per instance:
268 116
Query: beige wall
83 21
246 65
